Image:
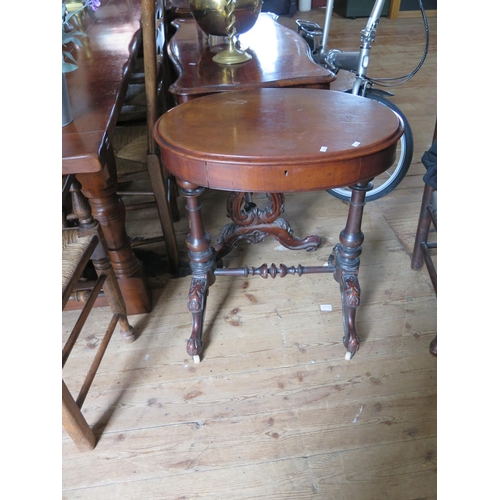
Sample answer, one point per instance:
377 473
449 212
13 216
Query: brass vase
227 18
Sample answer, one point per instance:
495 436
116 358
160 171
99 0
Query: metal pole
326 27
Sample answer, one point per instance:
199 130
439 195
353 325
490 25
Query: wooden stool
275 141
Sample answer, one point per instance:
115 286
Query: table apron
298 176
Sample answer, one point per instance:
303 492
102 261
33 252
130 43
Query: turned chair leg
114 298
424 224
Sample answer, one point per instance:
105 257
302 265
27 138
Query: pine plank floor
274 411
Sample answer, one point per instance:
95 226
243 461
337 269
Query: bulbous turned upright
211 15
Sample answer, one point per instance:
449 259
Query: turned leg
202 263
100 260
346 255
100 189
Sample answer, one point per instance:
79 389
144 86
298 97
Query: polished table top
97 88
278 140
280 58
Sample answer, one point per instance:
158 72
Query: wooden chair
427 223
80 245
133 142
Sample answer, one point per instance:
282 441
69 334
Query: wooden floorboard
274 411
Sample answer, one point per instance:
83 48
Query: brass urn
227 18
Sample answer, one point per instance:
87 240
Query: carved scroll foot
197 302
351 297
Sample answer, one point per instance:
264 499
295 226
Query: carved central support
253 224
244 212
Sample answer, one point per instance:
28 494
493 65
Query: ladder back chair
133 143
80 245
427 224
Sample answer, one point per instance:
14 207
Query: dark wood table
97 91
280 58
275 141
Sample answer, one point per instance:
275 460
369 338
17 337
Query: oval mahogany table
274 141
